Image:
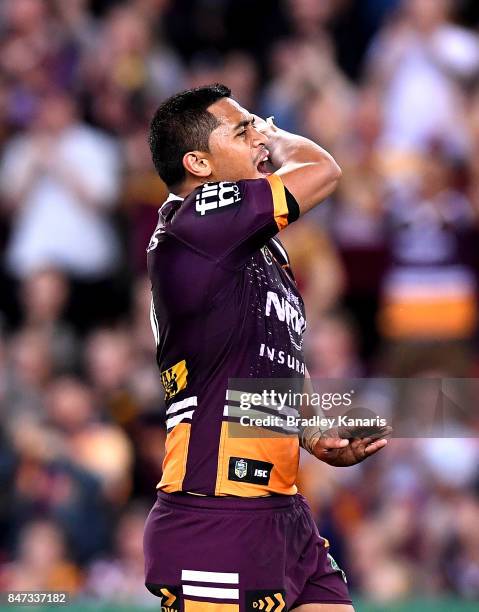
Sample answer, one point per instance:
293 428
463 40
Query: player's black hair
181 124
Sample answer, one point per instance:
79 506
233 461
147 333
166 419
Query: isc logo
249 470
216 195
261 473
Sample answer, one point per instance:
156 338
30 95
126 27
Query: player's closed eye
245 131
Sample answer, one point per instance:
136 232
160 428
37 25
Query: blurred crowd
388 268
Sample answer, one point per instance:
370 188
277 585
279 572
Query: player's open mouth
264 165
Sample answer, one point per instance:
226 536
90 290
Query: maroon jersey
225 305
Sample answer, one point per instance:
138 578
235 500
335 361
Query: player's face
237 150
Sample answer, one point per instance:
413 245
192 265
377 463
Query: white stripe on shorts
220 577
214 593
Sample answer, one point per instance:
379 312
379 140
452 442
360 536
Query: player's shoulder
219 196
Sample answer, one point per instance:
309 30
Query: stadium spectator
43 296
41 563
429 299
421 56
109 365
59 179
119 578
332 348
98 447
46 484
29 368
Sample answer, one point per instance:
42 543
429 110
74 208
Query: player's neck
187 187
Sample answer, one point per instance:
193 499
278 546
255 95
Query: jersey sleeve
230 221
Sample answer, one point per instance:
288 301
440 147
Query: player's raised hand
308 172
344 446
265 126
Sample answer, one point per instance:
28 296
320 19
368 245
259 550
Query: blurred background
388 268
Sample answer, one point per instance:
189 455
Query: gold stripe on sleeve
279 201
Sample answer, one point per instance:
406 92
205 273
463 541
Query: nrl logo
241 468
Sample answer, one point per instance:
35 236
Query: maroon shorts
228 554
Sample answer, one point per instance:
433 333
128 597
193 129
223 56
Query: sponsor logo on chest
282 308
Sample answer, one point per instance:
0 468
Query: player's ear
196 163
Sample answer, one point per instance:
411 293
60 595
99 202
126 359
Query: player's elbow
331 170
312 182
336 172
328 177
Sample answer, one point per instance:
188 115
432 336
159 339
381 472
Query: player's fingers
372 437
332 443
367 434
374 447
260 124
383 432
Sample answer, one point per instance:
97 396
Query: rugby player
229 532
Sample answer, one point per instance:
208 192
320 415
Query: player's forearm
287 148
307 170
